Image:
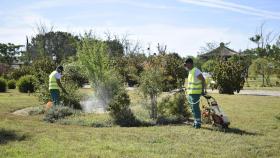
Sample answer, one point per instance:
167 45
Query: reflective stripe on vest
52 81
194 86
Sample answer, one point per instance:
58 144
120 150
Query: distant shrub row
25 84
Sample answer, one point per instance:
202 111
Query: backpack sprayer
210 113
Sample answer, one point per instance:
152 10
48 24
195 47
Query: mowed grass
257 84
255 132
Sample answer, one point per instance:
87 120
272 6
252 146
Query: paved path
242 92
254 92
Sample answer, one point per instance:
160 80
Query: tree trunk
154 106
267 79
263 80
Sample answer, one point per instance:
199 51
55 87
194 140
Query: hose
192 102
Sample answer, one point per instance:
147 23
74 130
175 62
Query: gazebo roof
221 51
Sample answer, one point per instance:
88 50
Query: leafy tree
9 52
17 73
275 57
130 67
60 44
209 66
151 85
263 40
256 39
263 67
245 61
115 48
4 69
42 68
173 71
93 57
73 72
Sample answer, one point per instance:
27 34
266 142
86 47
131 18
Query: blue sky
183 25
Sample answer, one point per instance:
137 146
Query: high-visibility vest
52 81
194 86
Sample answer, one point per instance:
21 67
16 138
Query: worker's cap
189 60
60 68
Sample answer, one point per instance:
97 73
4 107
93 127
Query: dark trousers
55 96
194 103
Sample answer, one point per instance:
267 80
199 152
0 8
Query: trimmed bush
12 84
26 84
58 112
3 85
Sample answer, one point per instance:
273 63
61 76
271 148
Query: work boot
197 126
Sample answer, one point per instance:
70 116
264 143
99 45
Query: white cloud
221 4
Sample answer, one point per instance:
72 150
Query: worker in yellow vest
55 84
195 88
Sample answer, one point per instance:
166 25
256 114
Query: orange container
49 105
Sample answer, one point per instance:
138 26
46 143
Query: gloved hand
204 92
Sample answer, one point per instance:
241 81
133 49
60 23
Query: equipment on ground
212 113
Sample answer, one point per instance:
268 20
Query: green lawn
257 84
255 133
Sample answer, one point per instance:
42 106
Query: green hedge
12 84
3 85
26 84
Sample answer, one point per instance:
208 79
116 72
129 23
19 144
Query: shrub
3 85
26 84
12 84
229 76
58 112
73 98
175 106
120 111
